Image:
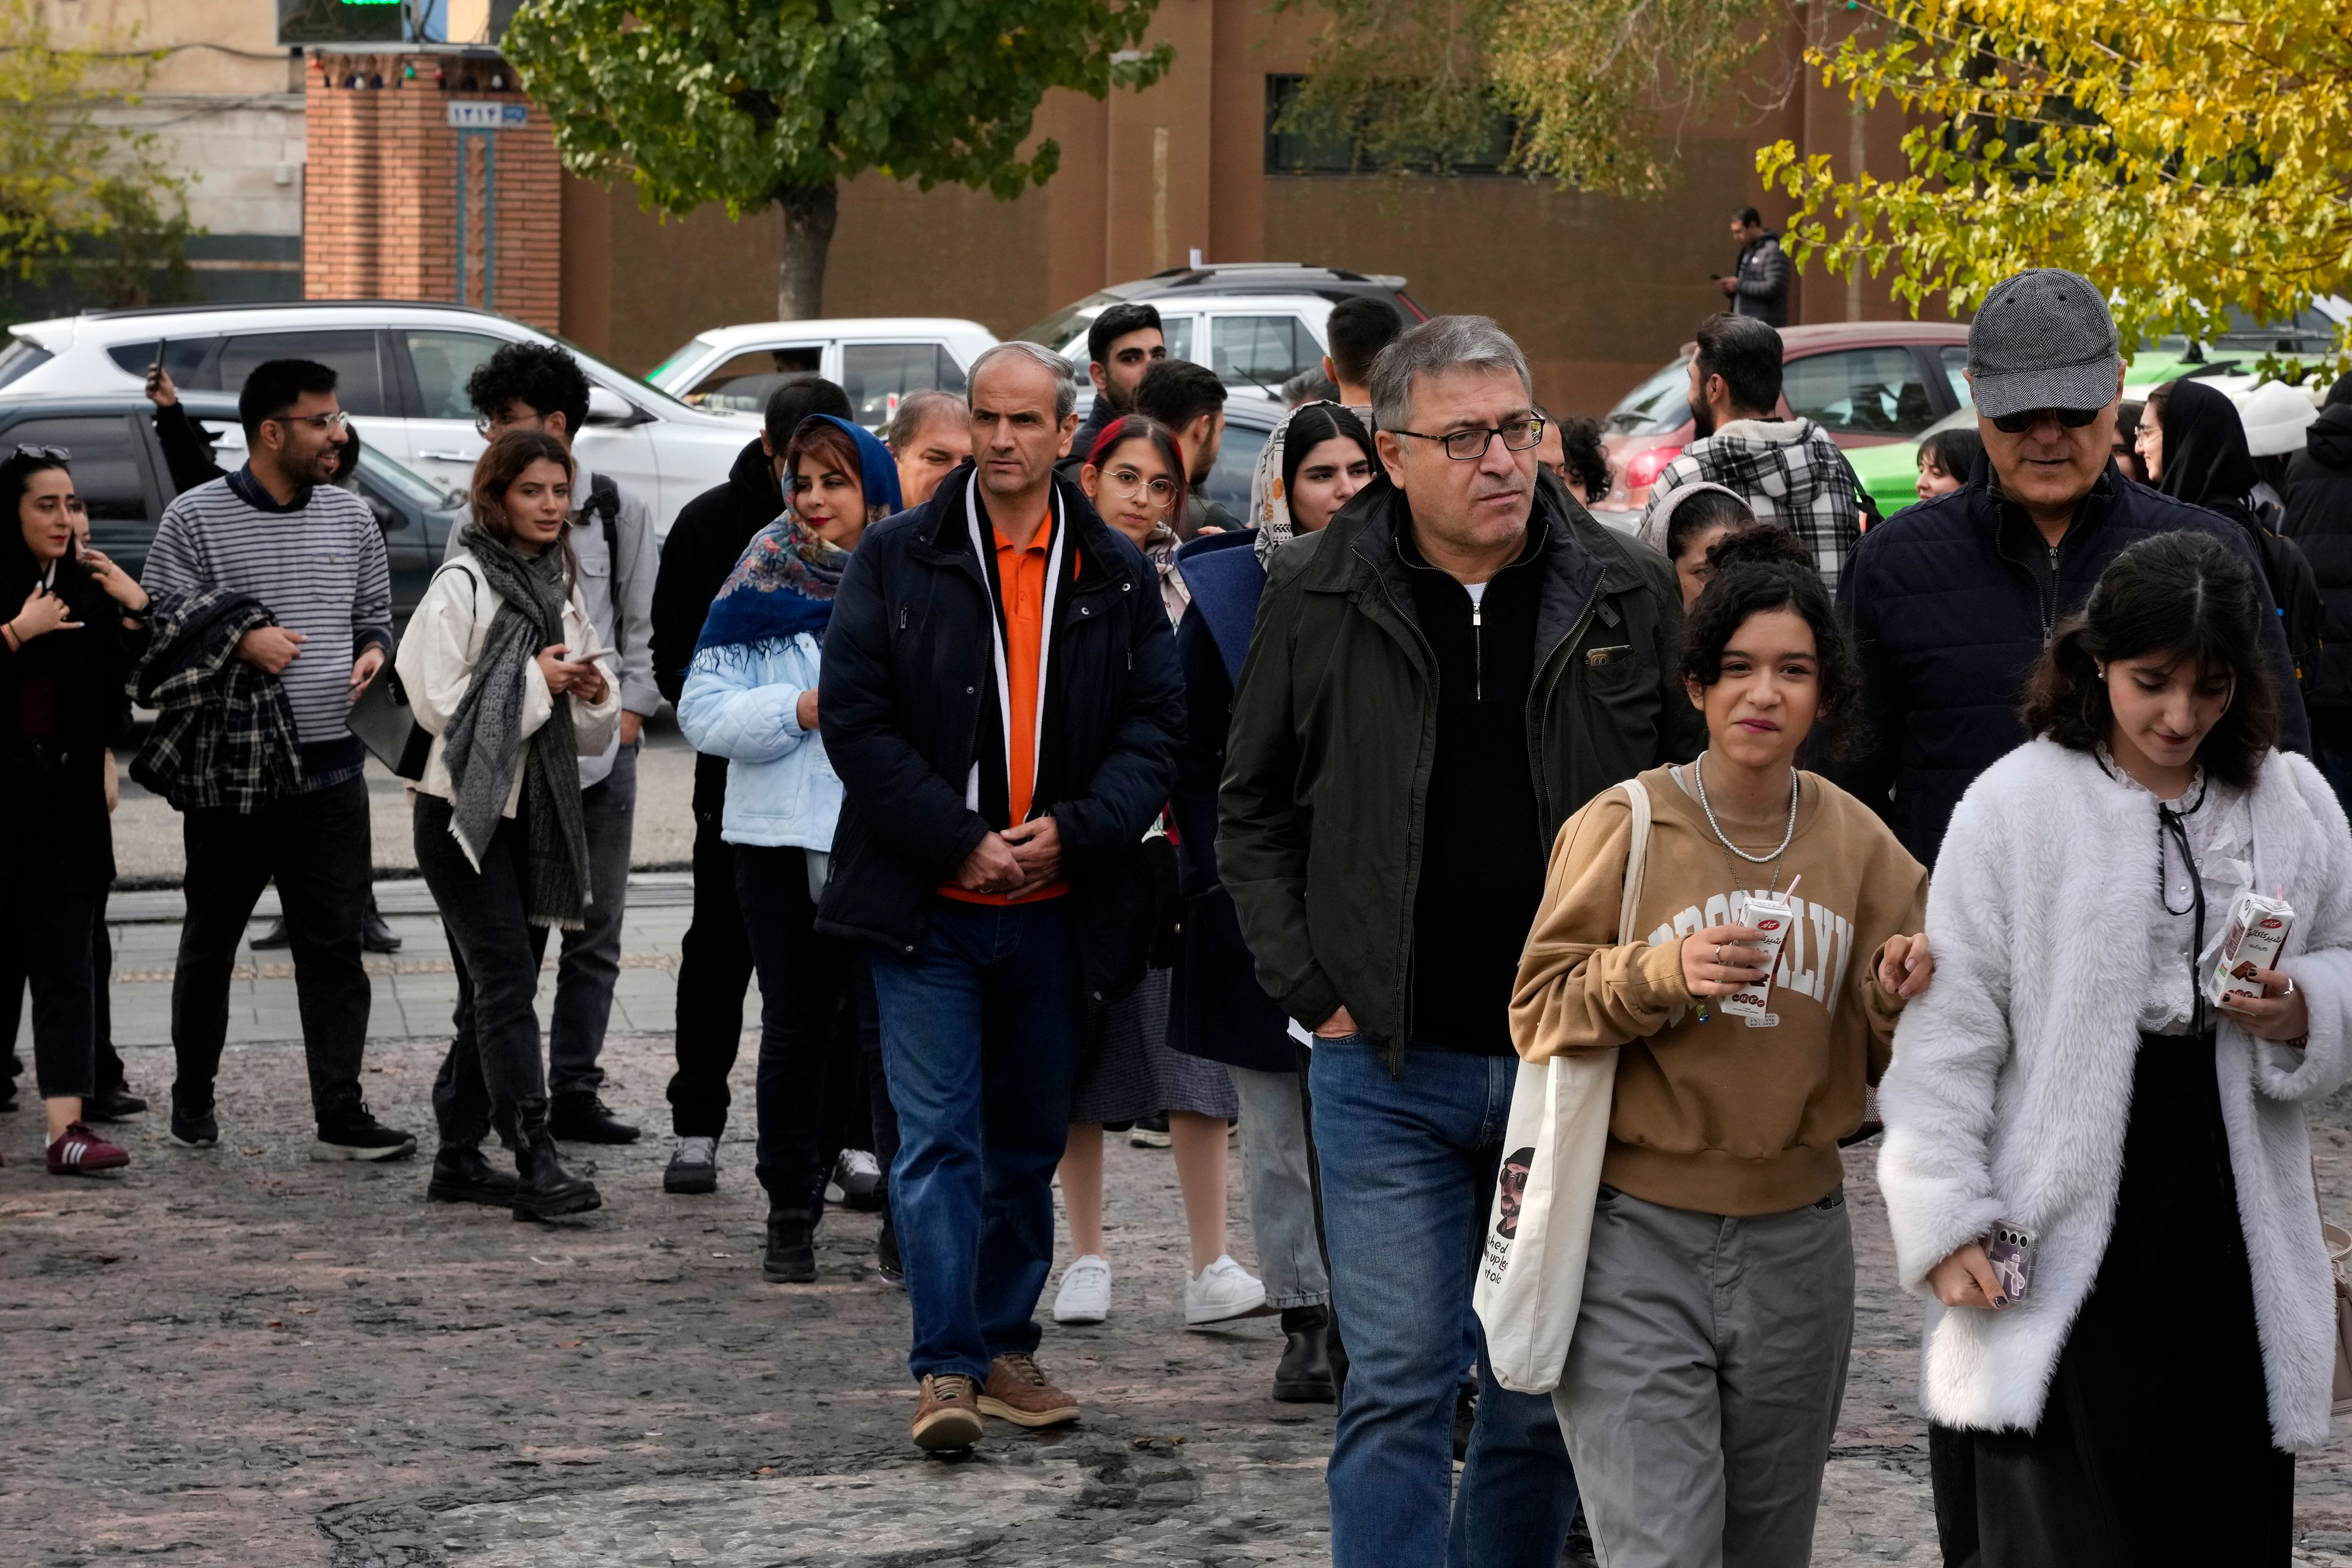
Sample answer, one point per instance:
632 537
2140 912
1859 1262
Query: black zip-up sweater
704 544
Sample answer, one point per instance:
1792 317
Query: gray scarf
480 742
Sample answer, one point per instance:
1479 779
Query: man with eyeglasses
277 531
1952 601
1438 679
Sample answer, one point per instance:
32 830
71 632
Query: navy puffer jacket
2319 519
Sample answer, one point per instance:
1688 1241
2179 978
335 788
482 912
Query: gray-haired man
1438 679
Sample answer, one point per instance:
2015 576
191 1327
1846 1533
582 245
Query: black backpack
2295 588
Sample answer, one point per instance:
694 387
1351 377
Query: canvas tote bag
1530 1280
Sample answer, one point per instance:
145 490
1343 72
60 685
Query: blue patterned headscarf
784 581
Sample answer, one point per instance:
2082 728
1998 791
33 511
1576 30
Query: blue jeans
978 1031
1409 1168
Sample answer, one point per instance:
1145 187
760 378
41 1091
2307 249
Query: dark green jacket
1334 728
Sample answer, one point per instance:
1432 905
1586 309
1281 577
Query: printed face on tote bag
1514 1185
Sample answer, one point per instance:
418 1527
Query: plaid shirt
226 733
1789 472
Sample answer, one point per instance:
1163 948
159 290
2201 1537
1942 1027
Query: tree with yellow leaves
2189 155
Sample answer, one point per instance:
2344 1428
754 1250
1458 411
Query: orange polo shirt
1020 593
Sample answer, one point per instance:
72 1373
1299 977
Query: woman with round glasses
1135 477
65 649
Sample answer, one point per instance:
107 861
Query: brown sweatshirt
1721 1117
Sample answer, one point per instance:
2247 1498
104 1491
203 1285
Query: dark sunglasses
49 454
2018 424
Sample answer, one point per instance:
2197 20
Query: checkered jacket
1788 471
224 735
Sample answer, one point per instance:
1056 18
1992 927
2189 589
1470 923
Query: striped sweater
319 564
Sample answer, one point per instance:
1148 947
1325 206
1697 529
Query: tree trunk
809 212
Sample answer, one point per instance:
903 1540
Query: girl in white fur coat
2138 1403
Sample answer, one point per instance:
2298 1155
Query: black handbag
382 719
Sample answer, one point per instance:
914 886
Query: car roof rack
203 306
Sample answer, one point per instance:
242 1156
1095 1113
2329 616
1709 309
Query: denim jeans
316 847
977 1032
1408 1171
590 963
1281 1194
493 1063
714 966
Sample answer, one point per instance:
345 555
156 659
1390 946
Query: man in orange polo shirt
1001 700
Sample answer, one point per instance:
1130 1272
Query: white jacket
2012 1075
436 665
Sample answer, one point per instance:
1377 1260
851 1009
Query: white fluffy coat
2013 1075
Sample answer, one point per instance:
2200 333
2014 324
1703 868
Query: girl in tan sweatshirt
1708 1360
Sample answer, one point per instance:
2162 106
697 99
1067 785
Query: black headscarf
2205 458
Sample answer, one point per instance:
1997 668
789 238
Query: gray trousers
1282 1201
589 964
1704 1381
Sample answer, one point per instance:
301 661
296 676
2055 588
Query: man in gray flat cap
1951 601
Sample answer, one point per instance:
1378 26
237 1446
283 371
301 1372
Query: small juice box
2258 929
1773 917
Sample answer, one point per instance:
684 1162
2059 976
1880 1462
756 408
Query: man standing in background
1360 328
929 434
1190 401
538 387
1124 342
1759 284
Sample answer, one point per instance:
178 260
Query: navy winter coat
1950 617
909 664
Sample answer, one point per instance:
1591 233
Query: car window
1228 475
193 362
360 381
1954 358
22 357
1659 404
1860 392
1175 331
394 478
877 376
443 362
743 382
1260 352
106 471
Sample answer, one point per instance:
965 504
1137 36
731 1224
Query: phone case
2010 1250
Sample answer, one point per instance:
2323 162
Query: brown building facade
1600 291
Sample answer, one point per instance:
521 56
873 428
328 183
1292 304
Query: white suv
401 367
876 360
1254 342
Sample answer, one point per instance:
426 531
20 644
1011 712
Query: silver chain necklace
1698 772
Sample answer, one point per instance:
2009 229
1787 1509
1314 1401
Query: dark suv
119 473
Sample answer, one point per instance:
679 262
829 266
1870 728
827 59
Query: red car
1865 383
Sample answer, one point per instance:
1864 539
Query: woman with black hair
2136 1397
2192 444
1945 459
1708 1358
64 656
1689 523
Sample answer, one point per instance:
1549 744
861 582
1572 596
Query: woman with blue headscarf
750 697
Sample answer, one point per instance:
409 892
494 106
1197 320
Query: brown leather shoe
1018 1392
948 1413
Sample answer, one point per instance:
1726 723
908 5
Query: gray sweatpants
1704 1381
1281 1200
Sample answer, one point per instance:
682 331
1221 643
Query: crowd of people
1046 799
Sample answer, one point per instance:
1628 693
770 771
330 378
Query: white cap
2276 416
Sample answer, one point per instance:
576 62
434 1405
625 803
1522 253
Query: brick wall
389 176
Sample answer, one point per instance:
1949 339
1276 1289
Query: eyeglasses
334 421
46 454
1126 482
2018 424
1469 446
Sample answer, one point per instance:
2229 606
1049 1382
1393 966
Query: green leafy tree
2189 155
747 102
76 194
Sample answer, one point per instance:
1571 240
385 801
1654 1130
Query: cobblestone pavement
237 1357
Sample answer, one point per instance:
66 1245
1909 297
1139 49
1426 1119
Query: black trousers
315 847
2155 1444
106 1070
44 925
714 969
495 1068
805 1052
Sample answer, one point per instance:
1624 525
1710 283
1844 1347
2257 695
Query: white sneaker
1085 1295
1221 1292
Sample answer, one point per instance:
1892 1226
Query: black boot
460 1175
792 1249
1303 1376
546 1189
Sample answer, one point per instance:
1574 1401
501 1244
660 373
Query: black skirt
2155 1444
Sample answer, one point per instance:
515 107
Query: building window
1294 152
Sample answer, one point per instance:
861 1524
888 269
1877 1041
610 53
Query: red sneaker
78 1149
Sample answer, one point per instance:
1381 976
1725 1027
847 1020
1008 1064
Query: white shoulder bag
1531 1281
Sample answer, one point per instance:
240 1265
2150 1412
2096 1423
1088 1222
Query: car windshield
668 404
690 349
1056 330
1659 404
